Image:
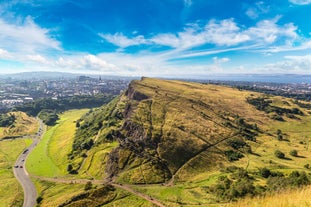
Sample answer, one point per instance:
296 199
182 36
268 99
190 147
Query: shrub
233 155
279 154
88 186
294 153
264 172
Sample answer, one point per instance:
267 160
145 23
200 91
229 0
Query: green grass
49 158
11 193
54 194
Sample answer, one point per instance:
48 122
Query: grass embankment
23 125
11 193
286 198
49 158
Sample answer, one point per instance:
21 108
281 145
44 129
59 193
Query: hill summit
170 131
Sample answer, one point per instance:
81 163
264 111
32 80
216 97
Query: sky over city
156 38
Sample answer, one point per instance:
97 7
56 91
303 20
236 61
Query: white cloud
122 41
269 31
257 9
25 37
291 64
84 62
226 33
300 2
4 53
37 58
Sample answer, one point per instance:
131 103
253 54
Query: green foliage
294 153
279 154
265 172
295 179
229 189
233 155
65 103
49 117
6 120
39 199
88 186
264 104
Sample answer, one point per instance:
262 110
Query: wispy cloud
25 36
224 33
187 3
257 9
300 2
123 41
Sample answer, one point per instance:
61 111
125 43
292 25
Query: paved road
30 192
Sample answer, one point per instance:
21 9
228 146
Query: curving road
30 192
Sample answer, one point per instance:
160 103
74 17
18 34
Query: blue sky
156 38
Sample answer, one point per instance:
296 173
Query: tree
294 153
88 186
279 154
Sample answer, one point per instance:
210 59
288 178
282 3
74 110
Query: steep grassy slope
191 144
172 129
23 125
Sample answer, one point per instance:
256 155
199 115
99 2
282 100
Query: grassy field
11 193
23 125
49 158
287 198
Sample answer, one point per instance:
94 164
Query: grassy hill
22 125
193 144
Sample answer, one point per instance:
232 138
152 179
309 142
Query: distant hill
56 75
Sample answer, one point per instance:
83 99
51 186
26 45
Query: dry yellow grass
23 125
289 198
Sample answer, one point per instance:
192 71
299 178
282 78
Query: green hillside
193 144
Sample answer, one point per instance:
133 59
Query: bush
294 153
264 172
279 154
233 155
88 186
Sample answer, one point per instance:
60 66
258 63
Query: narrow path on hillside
171 181
21 174
125 187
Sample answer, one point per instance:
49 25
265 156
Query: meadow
11 193
49 158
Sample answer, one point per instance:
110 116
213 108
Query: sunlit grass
23 125
11 193
49 158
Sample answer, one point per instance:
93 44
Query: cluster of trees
6 120
240 183
264 104
49 117
65 103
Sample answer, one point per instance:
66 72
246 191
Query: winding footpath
20 172
30 192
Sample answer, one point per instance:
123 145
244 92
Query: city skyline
156 38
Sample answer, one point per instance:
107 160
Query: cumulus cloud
300 2
291 64
85 62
